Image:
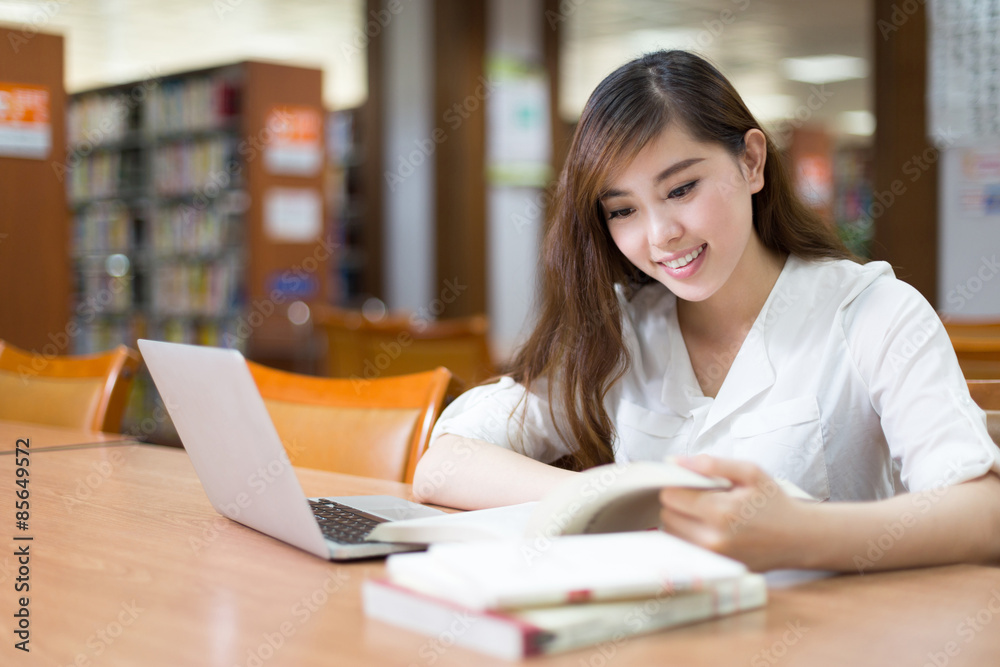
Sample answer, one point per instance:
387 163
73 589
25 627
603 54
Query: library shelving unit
197 206
345 207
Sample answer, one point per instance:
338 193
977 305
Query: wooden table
52 437
130 565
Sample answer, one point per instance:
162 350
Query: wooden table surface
130 565
49 437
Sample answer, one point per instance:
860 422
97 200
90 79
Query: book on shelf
608 498
518 600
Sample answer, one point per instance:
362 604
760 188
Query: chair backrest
401 344
86 391
977 345
986 394
374 428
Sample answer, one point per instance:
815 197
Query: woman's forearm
472 474
951 524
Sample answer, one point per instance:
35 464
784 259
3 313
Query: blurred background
232 172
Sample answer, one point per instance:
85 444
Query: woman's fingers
740 473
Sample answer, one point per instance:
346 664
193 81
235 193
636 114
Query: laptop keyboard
341 523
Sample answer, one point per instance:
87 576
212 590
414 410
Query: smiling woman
691 305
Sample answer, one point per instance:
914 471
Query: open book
604 499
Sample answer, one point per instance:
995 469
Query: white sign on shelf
293 215
25 128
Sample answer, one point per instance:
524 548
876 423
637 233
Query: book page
490 524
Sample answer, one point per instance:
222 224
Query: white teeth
686 259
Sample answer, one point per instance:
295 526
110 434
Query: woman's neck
733 309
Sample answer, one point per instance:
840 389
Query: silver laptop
225 428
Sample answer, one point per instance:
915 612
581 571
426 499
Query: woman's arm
758 524
472 474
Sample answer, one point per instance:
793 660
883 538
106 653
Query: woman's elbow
427 477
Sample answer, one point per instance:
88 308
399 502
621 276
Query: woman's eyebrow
662 176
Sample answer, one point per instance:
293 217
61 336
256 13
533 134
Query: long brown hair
577 344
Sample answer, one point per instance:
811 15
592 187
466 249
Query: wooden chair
401 344
986 394
977 345
86 392
374 428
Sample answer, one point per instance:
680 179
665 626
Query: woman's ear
754 157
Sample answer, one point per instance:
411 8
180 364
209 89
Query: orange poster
25 129
295 145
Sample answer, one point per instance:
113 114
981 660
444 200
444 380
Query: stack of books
518 598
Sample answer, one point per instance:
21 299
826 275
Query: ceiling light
861 123
20 12
825 69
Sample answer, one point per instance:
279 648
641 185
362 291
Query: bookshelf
197 212
345 207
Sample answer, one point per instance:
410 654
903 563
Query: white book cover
511 574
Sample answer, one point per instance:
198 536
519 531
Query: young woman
691 306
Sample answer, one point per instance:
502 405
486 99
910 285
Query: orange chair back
977 345
374 428
986 394
402 344
87 392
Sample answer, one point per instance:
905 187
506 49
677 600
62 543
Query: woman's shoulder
843 281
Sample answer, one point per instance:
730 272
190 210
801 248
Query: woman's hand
754 521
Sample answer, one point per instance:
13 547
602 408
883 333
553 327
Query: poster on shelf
293 215
980 190
295 145
25 128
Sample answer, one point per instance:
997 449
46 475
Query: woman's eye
620 213
683 190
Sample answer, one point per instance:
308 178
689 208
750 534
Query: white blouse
847 385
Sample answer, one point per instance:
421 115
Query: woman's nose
662 228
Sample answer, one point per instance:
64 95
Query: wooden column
460 93
371 131
34 228
905 210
